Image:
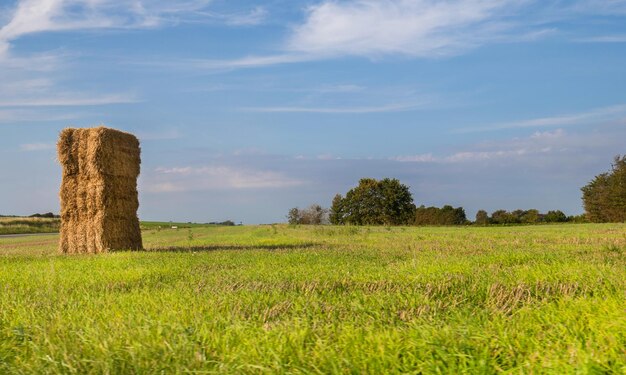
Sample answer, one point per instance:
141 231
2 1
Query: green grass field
34 225
25 225
281 299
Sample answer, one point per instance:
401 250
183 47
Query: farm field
26 225
297 299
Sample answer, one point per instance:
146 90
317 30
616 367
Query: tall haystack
99 199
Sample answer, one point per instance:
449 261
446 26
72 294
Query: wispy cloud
338 110
374 28
537 143
68 100
591 116
188 178
225 65
377 29
36 16
619 38
426 28
254 16
598 7
36 147
420 158
13 116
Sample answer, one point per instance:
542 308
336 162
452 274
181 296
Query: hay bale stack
99 199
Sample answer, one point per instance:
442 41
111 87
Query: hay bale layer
99 199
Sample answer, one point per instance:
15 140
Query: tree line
532 216
389 202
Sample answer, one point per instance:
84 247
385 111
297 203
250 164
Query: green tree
294 216
482 218
555 217
503 217
373 202
336 211
531 216
447 215
604 198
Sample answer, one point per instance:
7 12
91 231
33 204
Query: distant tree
503 217
452 216
577 219
499 217
482 218
336 213
531 216
517 215
447 215
374 202
555 217
314 215
604 198
426 215
460 218
294 216
47 215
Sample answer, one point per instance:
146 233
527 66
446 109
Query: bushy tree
294 216
374 202
482 218
531 216
555 217
447 215
314 215
604 198
503 217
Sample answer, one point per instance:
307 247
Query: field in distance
296 299
26 225
31 225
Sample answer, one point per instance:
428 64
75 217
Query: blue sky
248 108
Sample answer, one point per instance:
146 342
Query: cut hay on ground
99 198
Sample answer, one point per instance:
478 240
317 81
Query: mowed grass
281 299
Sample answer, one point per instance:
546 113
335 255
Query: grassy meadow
296 299
25 225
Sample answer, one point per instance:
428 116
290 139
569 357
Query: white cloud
244 62
421 28
181 179
469 156
619 38
36 146
415 28
256 16
600 7
338 110
34 115
537 144
36 16
420 158
67 100
374 28
558 133
592 116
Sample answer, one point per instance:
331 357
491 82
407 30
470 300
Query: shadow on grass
188 249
